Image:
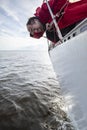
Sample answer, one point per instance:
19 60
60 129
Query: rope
54 21
61 12
59 15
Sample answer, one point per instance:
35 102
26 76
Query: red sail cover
74 12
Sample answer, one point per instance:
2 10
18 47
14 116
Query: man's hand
48 26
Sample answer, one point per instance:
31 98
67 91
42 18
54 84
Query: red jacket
74 12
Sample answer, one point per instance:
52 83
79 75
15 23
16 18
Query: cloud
9 43
13 17
9 11
16 12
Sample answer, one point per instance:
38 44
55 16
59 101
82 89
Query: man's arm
43 12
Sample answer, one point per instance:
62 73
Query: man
67 15
36 29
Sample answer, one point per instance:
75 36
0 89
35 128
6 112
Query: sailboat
69 60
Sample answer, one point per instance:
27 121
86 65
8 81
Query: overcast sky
13 17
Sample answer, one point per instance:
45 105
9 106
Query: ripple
30 96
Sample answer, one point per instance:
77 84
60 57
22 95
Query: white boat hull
70 64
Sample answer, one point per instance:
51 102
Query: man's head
34 26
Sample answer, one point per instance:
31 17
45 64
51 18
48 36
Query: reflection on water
30 97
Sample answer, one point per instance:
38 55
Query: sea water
30 95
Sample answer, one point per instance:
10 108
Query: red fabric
38 35
75 12
43 12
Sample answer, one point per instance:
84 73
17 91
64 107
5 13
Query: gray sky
13 17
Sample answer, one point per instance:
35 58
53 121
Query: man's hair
30 20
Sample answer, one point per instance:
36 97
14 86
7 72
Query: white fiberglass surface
70 64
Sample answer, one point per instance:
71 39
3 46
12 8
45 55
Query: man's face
35 27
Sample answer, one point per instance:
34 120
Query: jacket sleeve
43 12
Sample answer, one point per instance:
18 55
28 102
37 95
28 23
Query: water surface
30 96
